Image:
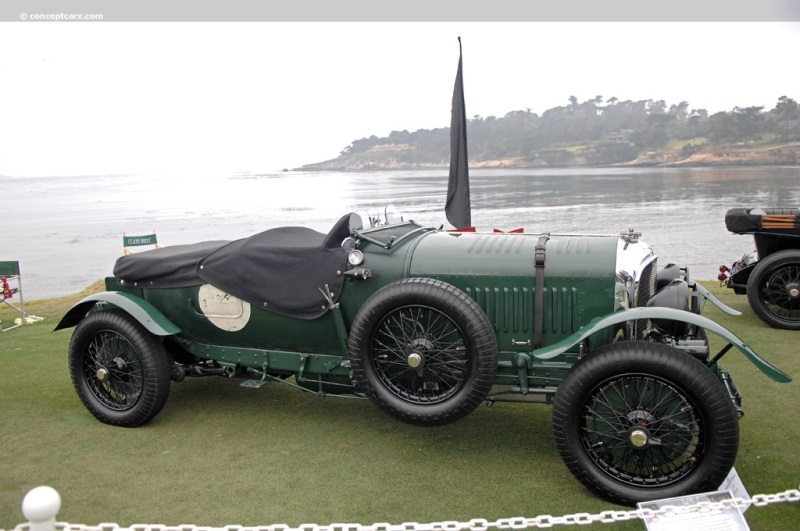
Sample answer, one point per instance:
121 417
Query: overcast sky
116 98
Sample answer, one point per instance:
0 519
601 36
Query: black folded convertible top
775 220
283 270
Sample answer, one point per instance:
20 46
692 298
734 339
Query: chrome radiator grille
647 284
645 289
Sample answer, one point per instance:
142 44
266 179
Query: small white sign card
727 519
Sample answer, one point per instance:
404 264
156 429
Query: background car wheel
423 351
637 421
120 371
773 289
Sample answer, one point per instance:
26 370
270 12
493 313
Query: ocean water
66 232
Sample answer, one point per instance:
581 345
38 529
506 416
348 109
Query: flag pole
457 207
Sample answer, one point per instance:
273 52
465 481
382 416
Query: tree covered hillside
593 132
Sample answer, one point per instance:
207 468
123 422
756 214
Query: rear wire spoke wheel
423 351
113 371
638 421
120 371
420 355
773 289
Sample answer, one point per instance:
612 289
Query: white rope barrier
41 506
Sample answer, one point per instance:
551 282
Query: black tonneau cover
283 270
165 267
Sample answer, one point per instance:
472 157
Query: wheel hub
639 438
638 435
119 365
414 360
793 290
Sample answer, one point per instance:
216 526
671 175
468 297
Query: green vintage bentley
428 324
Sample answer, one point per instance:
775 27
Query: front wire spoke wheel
637 421
643 449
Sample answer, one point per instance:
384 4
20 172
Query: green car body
428 324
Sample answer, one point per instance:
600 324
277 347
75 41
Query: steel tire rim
642 431
111 355
420 355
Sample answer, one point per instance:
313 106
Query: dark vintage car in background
428 324
770 275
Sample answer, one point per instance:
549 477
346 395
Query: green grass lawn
222 454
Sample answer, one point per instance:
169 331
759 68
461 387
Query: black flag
457 207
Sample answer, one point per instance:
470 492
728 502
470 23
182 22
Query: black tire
639 421
423 351
120 371
773 289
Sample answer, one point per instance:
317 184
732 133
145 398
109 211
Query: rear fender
633 314
145 313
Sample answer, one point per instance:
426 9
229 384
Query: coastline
387 160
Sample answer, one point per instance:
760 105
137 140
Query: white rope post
40 506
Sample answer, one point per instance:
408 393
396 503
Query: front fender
710 296
148 315
662 313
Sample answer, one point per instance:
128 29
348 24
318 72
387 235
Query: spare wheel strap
538 300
